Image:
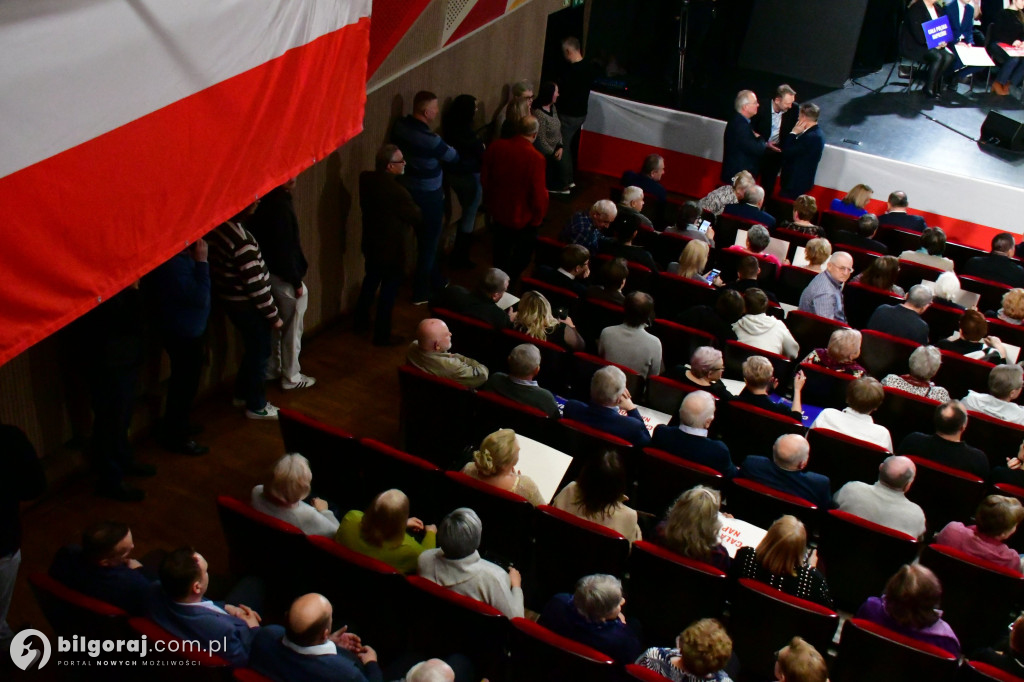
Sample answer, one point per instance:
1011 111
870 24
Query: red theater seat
761 505
871 652
539 655
437 436
944 493
664 476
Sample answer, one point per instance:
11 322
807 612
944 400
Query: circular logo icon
30 649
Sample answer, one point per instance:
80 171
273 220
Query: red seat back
843 458
991 292
792 282
998 439
472 337
663 477
260 545
385 467
736 354
883 354
548 251
495 412
862 300
679 341
903 413
558 297
761 505
582 367
333 454
942 321
871 652
675 294
959 374
749 430
507 518
174 649
976 671
667 248
539 654
811 331
593 316
825 387
437 436
70 612
554 359
945 494
666 395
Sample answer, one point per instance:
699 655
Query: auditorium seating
593 316
843 458
679 341
436 435
795 238
825 387
727 227
664 476
166 660
582 367
944 493
1007 333
71 613
761 505
539 655
792 282
898 240
1017 539
666 395
667 248
558 297
811 331
959 374
548 251
862 258
991 292
471 337
728 261
942 321
584 443
554 359
903 413
674 294
882 354
862 300
976 671
333 454
833 221
384 467
736 354
493 412
507 518
912 273
781 208
749 430
998 439
871 652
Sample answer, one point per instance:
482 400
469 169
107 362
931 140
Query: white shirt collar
858 415
567 274
523 382
205 603
328 648
693 430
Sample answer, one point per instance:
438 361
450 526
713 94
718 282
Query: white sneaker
302 382
238 402
268 412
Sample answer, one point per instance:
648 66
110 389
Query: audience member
885 501
946 445
611 277
904 319
624 229
692 261
549 140
573 269
910 606
748 270
863 396
457 565
458 129
761 330
785 471
282 497
630 344
430 352
592 615
947 290
535 319
781 561
896 214
707 366
521 91
482 302
577 75
1004 387
599 495
688 222
933 245
801 153
649 177
717 320
1011 660
882 274
693 525
24 479
817 252
750 208
841 354
863 237
974 341
607 395
743 148
758 240
520 384
1007 28
758 380
773 124
996 519
924 364
854 203
824 295
690 439
702 651
799 661
586 227
631 203
733 191
998 265
383 531
436 670
1012 309
805 209
494 463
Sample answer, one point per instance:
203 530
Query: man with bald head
785 471
434 670
885 502
824 295
430 352
307 649
690 439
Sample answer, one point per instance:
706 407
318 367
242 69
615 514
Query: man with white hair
904 319
749 208
431 352
608 394
592 615
785 471
482 302
690 439
520 383
885 502
743 146
434 670
824 295
631 203
586 227
1004 386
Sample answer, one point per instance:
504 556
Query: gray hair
434 670
758 238
844 344
703 359
597 595
743 98
604 207
631 194
458 536
925 362
1003 380
696 409
523 359
920 296
494 281
790 450
754 195
947 286
897 471
607 385
520 88
291 478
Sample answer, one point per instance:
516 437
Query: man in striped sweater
242 283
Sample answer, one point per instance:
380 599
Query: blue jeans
1011 72
254 329
428 234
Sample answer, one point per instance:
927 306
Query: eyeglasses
843 268
401 161
718 369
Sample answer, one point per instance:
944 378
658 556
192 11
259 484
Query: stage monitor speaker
1003 131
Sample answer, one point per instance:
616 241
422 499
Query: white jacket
473 577
767 333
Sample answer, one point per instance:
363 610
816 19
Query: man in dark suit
773 123
631 203
743 147
748 269
307 649
785 471
607 394
801 152
896 214
904 320
750 208
482 302
649 177
864 236
946 445
690 440
998 265
520 383
624 229
573 270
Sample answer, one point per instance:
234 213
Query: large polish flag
129 128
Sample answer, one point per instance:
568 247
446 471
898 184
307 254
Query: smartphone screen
712 275
703 227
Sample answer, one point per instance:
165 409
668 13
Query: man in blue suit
785 471
750 208
184 611
961 21
607 394
690 440
307 649
743 147
801 151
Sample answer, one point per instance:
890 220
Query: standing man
774 126
801 152
513 176
389 212
242 283
573 95
276 227
743 146
424 152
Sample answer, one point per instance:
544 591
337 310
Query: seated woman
729 307
946 289
910 606
817 252
854 203
457 565
282 498
380 532
1012 310
759 329
973 340
592 615
534 319
702 651
705 372
924 364
692 526
781 561
863 397
914 46
598 495
1008 29
759 379
495 464
805 207
719 198
996 519
841 354
882 274
692 263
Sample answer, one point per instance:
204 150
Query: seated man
593 616
863 396
896 214
607 394
785 471
631 203
761 330
747 271
998 265
824 295
885 502
572 273
749 208
758 377
758 240
520 383
946 445
482 302
624 230
690 440
430 353
102 568
1004 387
688 222
185 612
629 343
306 648
904 320
611 278
457 565
933 245
649 177
586 227
863 237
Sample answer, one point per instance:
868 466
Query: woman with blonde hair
381 532
495 464
855 202
534 318
817 251
1012 310
282 497
702 651
692 526
692 262
781 561
515 111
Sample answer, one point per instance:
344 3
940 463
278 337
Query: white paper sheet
777 247
971 55
545 465
736 533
